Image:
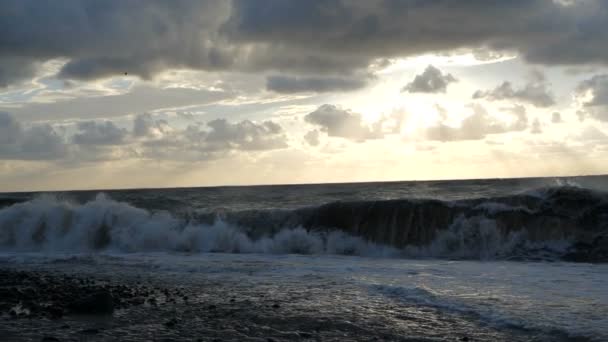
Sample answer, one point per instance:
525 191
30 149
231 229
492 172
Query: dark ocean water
529 218
238 198
490 260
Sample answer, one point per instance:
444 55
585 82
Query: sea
492 259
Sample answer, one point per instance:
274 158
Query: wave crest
49 224
560 222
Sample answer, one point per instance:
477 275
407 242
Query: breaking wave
48 224
552 223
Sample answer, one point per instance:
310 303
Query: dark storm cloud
432 80
543 31
105 38
15 69
338 122
288 84
594 91
598 86
38 142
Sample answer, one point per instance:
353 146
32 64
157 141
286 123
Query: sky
131 94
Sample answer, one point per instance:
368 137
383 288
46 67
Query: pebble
49 339
63 295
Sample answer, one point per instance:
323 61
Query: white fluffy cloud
338 122
478 125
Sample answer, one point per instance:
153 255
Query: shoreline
148 308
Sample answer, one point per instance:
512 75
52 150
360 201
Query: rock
54 312
100 302
49 339
171 323
90 331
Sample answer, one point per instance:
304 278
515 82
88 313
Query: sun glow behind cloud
228 101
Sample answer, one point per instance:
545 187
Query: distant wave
562 222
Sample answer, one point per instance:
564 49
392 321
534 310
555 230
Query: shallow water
348 297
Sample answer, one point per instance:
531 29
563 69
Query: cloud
147 37
593 95
320 31
338 122
144 125
288 85
556 117
432 80
536 127
214 140
245 135
14 69
113 37
99 133
535 93
312 137
138 100
150 139
593 134
478 125
10 129
38 142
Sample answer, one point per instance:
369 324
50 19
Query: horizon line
299 184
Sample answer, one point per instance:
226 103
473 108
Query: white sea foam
52 224
49 224
478 237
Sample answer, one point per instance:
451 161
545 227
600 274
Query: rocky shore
59 305
77 299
